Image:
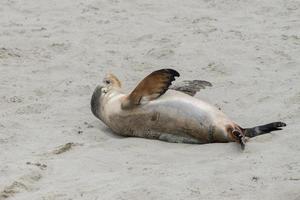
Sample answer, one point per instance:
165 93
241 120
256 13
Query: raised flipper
190 87
150 88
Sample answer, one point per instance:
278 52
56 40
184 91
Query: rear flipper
263 129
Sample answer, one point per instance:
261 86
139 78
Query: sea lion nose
104 90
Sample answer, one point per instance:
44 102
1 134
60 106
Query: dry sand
53 54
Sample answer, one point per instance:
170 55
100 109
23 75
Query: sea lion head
102 93
112 81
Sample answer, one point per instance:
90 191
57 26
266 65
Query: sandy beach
54 53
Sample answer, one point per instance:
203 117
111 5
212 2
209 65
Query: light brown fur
112 80
152 111
150 88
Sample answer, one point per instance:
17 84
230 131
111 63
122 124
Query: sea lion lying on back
157 110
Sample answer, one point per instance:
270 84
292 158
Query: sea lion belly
175 114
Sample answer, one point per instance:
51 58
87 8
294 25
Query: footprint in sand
66 147
39 165
295 99
25 183
216 68
160 53
13 99
60 47
8 53
141 39
32 109
295 39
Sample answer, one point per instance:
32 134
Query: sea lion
156 109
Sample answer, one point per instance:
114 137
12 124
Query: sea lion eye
107 82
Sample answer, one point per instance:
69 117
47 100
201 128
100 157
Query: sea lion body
174 114
156 110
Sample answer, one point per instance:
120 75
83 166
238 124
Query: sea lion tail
263 129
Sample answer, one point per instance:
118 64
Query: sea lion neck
113 92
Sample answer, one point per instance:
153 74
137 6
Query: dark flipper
263 129
190 87
240 137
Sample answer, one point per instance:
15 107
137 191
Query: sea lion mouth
95 101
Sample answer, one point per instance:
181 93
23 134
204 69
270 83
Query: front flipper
150 88
191 87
